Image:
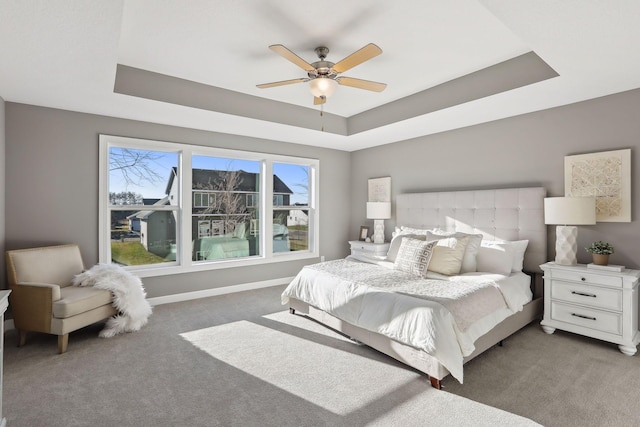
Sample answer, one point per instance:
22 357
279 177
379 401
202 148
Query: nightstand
369 249
594 303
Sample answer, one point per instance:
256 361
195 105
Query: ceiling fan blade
357 58
282 83
317 100
361 84
290 56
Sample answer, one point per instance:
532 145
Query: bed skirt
413 357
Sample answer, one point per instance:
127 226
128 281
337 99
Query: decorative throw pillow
447 255
414 256
469 262
495 257
392 253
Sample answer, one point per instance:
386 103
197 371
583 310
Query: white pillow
447 255
414 256
519 248
392 253
409 230
469 263
495 257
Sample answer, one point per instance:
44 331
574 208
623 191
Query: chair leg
63 341
22 337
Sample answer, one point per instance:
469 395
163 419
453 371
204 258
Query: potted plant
600 251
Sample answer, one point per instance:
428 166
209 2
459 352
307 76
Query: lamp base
378 231
566 244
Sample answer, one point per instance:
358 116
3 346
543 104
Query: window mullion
104 213
267 207
314 198
185 200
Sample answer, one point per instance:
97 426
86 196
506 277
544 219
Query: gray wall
52 168
527 150
3 275
52 198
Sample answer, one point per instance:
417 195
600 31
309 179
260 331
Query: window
142 223
252 200
291 207
166 207
224 185
203 200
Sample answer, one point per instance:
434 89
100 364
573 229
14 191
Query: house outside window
164 226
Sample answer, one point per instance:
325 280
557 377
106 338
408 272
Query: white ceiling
63 54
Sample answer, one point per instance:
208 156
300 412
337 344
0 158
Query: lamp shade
570 210
322 86
378 210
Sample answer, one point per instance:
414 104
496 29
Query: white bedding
376 298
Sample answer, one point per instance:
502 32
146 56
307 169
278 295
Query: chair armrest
41 288
32 305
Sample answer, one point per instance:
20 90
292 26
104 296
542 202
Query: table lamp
378 212
566 213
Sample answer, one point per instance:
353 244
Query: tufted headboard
506 214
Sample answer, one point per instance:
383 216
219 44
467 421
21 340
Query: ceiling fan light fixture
322 86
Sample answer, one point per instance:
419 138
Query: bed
353 295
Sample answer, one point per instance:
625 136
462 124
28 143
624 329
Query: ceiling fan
323 76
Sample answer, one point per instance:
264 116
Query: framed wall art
605 175
380 189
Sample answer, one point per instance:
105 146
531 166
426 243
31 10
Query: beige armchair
42 297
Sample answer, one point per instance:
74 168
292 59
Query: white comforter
431 315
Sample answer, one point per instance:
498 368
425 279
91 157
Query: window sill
166 270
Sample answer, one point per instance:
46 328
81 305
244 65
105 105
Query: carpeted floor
242 359
561 379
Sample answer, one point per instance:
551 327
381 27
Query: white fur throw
128 297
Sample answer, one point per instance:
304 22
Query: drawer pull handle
582 316
583 279
583 294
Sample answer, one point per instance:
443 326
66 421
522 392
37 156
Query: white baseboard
187 296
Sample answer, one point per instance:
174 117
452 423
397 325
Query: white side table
594 303
370 249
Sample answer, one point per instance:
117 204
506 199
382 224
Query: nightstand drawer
589 318
594 279
364 246
593 296
368 248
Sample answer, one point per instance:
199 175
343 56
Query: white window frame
184 206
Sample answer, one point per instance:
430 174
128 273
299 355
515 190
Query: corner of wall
3 193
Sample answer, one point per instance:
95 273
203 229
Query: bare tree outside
227 201
125 198
136 166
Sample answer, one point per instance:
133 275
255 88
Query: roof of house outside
145 214
248 180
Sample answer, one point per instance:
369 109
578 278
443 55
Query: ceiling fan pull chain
322 115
